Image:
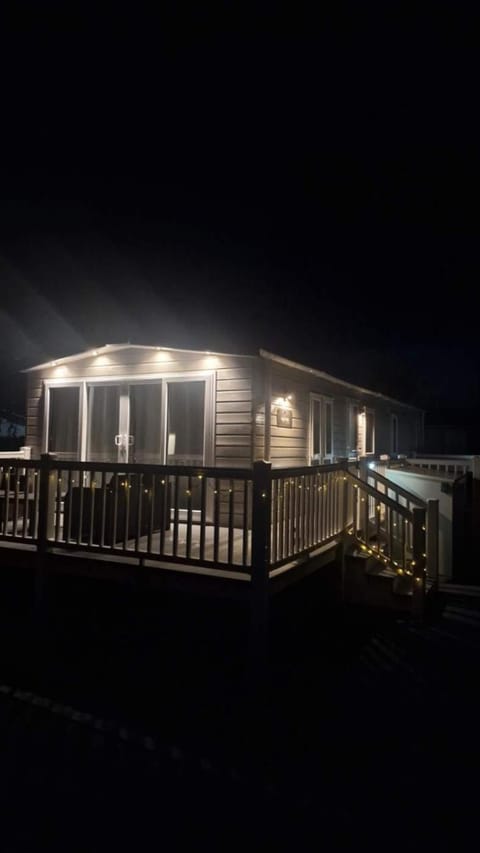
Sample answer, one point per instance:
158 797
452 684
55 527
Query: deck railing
251 520
309 507
446 465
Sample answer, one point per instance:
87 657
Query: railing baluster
203 515
58 502
104 509
216 519
115 510
175 515
15 503
151 515
165 502
291 497
26 503
6 492
36 500
92 507
245 524
189 518
138 531
231 496
378 511
274 522
282 519
80 511
126 504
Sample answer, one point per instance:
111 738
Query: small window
328 428
394 434
64 422
321 426
353 432
369 432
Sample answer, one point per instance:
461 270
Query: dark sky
241 177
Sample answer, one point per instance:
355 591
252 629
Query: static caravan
157 405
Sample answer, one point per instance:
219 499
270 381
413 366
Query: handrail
409 496
305 470
141 468
374 493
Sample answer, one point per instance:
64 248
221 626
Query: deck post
46 494
46 497
432 540
418 564
261 521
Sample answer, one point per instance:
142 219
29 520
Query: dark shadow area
362 724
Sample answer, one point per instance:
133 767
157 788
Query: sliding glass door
64 422
147 422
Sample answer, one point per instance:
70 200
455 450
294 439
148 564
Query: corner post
419 571
261 522
432 540
46 503
46 495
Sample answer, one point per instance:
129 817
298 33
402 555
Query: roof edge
279 359
101 350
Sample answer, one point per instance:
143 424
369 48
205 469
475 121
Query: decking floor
238 558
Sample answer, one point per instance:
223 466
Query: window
369 432
394 434
353 431
321 430
63 436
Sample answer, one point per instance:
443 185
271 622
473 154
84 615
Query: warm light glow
102 360
161 355
211 361
62 370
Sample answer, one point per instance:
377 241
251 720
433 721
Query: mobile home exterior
157 405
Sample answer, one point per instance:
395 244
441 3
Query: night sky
242 177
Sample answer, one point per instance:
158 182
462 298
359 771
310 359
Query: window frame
394 434
325 403
83 383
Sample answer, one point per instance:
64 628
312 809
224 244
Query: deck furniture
86 516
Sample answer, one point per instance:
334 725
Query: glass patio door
185 434
124 423
104 442
144 443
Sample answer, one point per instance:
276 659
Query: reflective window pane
185 423
63 422
145 423
103 426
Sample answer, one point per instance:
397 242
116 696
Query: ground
130 719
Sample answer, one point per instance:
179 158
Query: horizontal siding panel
241 407
293 452
234 373
225 418
232 462
289 442
284 432
233 440
35 393
234 429
234 385
241 452
234 396
288 462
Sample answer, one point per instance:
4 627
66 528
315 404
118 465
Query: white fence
23 453
446 465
